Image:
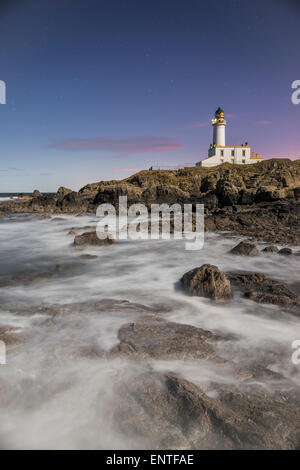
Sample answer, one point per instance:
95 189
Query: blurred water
53 395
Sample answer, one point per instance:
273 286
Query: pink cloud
122 144
126 170
263 122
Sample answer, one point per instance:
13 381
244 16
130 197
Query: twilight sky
97 89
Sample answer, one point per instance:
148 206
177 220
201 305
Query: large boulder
36 193
62 191
245 249
207 281
72 202
91 239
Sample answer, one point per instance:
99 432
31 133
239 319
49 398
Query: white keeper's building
219 153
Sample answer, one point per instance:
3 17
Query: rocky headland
260 201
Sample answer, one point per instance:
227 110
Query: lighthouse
219 153
219 125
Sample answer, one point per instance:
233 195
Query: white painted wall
219 135
235 155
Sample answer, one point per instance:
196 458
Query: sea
7 196
57 391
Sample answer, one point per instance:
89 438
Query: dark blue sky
98 89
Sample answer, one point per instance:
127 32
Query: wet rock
87 256
58 219
40 277
245 249
262 289
10 335
167 411
285 251
91 239
207 281
78 230
28 278
66 266
36 193
151 337
270 249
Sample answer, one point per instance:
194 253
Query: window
232 153
222 153
244 153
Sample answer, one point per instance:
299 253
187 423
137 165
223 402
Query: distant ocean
6 196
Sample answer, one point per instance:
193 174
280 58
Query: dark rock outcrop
207 281
261 200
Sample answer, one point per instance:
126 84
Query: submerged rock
27 278
245 249
207 281
58 219
262 289
91 239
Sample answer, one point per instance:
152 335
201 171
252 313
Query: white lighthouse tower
219 125
219 153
